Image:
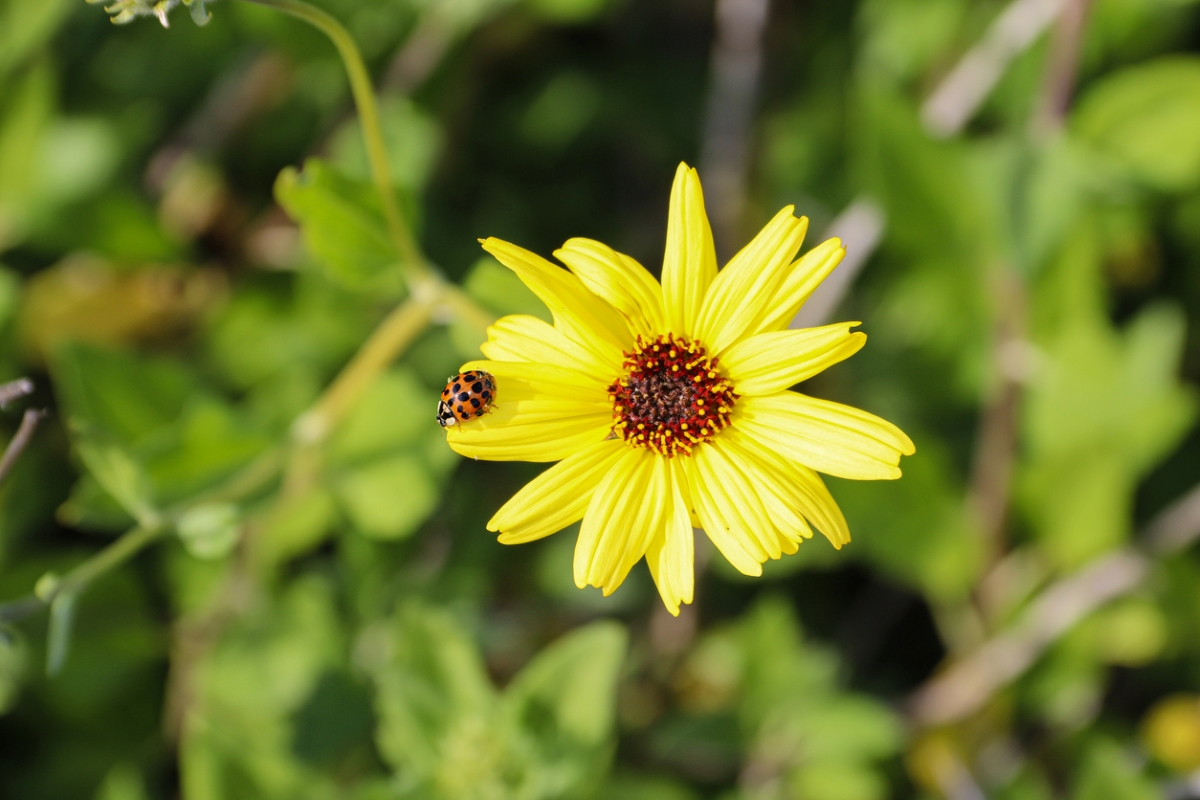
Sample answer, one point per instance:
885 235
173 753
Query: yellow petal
777 491
541 413
737 501
493 438
671 556
519 337
746 285
828 437
771 362
712 509
584 318
647 526
529 380
802 488
557 497
617 520
690 262
620 280
799 281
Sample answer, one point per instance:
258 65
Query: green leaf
388 498
25 27
566 696
25 112
430 687
341 226
118 473
124 395
209 530
298 527
1102 410
1146 116
834 781
1108 774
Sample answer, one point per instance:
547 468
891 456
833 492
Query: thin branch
15 390
970 682
966 685
116 553
1175 527
368 112
736 67
995 449
959 95
860 227
1061 67
29 423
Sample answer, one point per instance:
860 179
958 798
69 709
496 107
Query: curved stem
118 552
368 114
404 324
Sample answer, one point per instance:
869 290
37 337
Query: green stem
394 334
368 114
427 288
128 545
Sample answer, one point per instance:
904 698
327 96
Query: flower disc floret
671 397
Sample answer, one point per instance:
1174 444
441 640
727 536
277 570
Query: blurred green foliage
191 249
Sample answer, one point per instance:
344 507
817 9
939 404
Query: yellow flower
667 406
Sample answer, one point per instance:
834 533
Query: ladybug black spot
477 387
460 409
456 388
463 397
475 402
486 395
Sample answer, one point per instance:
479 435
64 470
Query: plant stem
395 333
427 287
368 114
118 552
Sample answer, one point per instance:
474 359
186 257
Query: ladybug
467 395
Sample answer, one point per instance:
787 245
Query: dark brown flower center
672 396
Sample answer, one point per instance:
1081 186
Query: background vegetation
192 250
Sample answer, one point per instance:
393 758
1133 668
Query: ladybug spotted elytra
467 395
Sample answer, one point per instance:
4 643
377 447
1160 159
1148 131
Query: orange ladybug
467 395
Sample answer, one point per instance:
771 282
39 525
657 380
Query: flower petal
528 379
746 285
690 261
493 438
671 557
799 281
736 551
541 413
787 490
729 519
580 315
828 437
519 337
619 524
737 500
772 362
619 280
801 487
557 497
